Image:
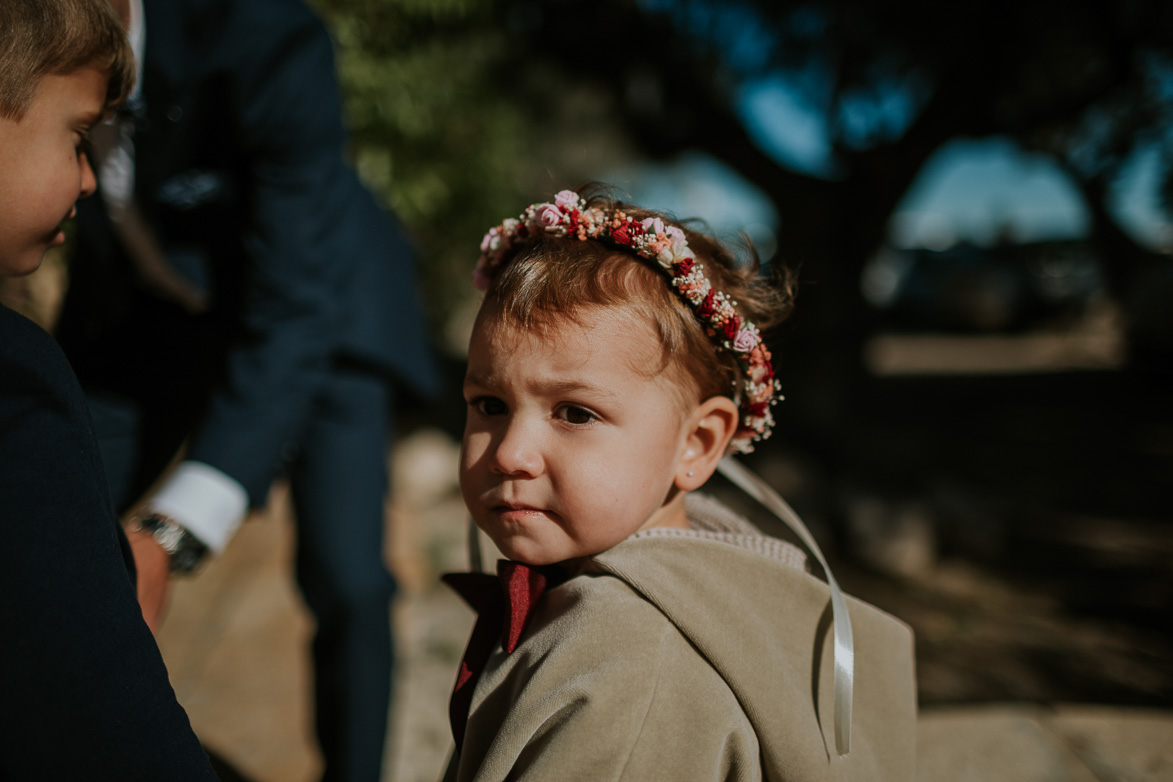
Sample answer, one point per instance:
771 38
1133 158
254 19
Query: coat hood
767 633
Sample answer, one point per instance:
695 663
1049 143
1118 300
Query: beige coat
688 655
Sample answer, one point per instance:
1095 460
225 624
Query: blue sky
970 190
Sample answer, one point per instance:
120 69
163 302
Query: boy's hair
55 37
553 279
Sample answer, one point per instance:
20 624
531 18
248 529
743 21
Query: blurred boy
257 310
83 690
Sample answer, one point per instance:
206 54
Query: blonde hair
552 279
56 37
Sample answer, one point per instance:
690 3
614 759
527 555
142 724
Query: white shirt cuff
204 501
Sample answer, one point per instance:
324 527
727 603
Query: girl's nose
517 453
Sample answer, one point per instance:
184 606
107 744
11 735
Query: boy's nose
517 453
88 182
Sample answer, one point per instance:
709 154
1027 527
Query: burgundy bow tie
504 604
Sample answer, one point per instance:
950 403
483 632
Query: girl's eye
488 405
572 414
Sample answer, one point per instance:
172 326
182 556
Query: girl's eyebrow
553 387
476 379
575 386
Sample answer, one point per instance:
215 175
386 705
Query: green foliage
456 124
434 134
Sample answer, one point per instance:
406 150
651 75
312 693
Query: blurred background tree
457 129
463 111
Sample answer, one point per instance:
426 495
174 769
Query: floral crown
569 216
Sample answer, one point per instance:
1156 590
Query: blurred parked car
969 288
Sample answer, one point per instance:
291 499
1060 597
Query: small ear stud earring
691 473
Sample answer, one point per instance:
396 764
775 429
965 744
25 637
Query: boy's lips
58 235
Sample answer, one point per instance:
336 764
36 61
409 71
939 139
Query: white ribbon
843 654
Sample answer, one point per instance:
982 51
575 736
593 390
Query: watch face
184 550
170 536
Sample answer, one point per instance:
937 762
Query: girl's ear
711 427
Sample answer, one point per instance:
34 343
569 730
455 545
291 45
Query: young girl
635 632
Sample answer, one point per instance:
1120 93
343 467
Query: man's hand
153 565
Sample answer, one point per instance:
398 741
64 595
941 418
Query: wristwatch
185 552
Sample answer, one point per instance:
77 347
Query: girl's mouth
520 512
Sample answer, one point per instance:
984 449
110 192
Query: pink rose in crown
549 215
744 341
566 200
653 225
679 246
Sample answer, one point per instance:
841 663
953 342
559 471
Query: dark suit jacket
83 690
240 170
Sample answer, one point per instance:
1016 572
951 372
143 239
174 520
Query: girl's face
571 444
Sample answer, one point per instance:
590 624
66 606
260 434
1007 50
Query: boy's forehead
78 95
